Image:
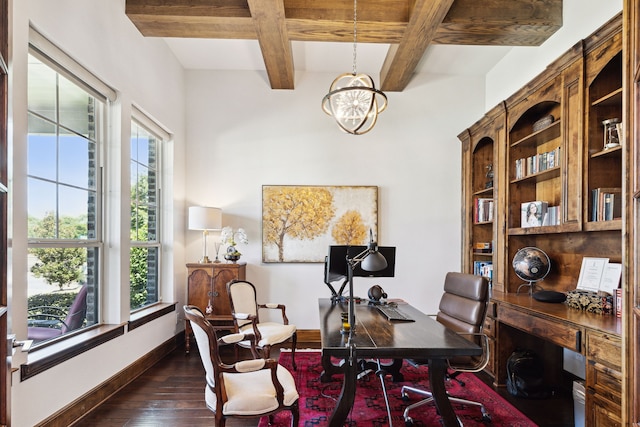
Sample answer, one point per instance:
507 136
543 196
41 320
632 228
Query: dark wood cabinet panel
207 290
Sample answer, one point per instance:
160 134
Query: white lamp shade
205 218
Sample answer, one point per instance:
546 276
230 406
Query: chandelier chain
355 33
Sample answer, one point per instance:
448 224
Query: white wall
144 72
243 135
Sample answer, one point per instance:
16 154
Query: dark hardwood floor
171 393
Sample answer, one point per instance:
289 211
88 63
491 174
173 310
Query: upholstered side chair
462 308
245 310
245 389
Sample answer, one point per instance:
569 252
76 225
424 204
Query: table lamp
205 219
370 260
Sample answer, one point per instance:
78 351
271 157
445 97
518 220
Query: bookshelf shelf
614 151
536 138
540 176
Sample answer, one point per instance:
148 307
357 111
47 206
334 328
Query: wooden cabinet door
223 274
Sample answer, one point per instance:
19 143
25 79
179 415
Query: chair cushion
39 334
272 333
262 398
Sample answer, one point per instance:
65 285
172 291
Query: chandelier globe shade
353 100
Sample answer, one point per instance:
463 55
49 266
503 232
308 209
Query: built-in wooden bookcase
480 164
534 162
603 176
553 152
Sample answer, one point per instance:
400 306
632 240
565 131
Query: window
145 213
64 200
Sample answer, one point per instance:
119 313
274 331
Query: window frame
142 120
54 58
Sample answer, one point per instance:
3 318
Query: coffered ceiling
404 28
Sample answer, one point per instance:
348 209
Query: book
591 273
610 280
618 302
606 203
599 275
532 213
483 210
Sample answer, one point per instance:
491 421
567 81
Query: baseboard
308 336
73 412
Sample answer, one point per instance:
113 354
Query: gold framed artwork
300 222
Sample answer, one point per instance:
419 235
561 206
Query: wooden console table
518 320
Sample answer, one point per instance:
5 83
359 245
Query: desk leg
347 395
437 373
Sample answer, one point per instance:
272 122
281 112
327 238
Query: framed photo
299 223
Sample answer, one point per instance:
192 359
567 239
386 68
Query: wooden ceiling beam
408 25
403 58
269 19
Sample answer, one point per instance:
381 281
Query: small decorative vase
232 254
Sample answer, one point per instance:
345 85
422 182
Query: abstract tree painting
300 222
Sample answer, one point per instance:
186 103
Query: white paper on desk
611 277
591 273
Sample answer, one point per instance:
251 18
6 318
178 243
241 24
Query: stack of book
537 163
483 210
483 268
483 247
606 204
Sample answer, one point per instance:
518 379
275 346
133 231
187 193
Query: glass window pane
41 145
74 164
41 89
62 294
75 208
76 108
41 201
143 276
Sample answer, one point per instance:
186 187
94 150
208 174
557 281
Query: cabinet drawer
489 327
605 349
601 412
562 334
604 381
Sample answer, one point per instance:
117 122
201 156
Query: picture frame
300 222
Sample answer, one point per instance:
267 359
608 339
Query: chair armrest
483 361
276 306
238 338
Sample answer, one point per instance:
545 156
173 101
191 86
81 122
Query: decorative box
543 123
590 301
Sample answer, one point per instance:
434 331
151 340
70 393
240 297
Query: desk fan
531 264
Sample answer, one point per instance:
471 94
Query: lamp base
205 260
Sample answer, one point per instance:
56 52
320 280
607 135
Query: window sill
150 313
48 356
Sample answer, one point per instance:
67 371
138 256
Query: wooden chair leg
294 340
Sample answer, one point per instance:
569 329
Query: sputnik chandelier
353 100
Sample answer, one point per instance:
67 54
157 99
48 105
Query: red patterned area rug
318 399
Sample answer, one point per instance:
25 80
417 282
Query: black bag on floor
525 372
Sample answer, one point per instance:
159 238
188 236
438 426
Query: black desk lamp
370 260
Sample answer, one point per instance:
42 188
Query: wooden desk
376 337
521 321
